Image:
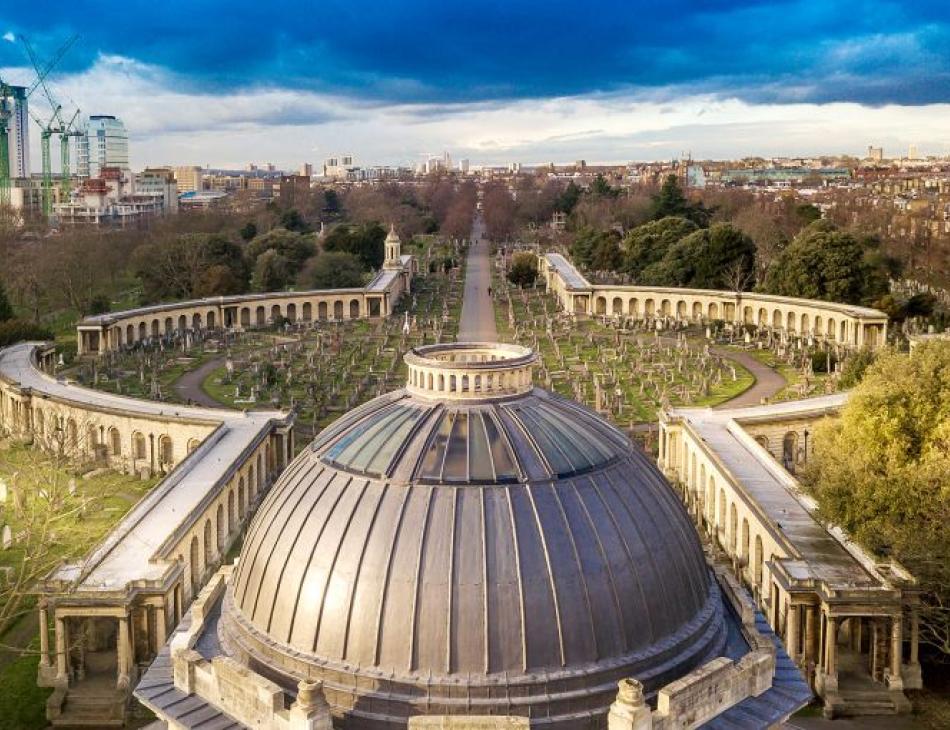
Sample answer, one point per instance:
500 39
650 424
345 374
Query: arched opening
196 321
92 438
601 305
292 312
790 322
193 564
830 328
192 444
843 337
763 317
169 325
115 441
275 312
681 309
232 515
790 450
307 311
744 542
733 527
616 307
721 519
182 323
819 325
209 543
245 316
210 320
666 307
633 307
138 446
713 310
260 316
777 319
165 451
222 529
322 310
242 504
338 309
805 327
143 333
72 434
354 309
748 315
154 328
649 307
697 311
129 335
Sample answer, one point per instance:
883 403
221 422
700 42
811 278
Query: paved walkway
188 385
767 381
477 323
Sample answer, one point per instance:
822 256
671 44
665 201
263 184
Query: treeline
212 253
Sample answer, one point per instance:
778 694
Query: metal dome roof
501 549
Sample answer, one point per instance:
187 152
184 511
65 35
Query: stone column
161 631
62 657
122 653
897 653
914 635
44 635
791 631
831 646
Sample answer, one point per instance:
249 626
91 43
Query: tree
882 471
248 230
709 258
568 199
647 244
271 272
596 250
294 247
498 212
524 269
333 270
670 201
822 262
181 268
366 242
293 221
6 311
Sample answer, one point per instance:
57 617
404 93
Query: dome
471 545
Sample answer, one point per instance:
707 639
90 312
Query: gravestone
6 537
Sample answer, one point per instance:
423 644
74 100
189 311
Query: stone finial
629 711
310 711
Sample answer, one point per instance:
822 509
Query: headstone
6 537
3 491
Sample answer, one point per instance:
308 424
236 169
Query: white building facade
105 144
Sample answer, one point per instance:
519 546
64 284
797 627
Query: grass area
636 371
322 369
54 515
795 381
22 703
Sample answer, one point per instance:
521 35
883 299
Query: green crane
56 125
66 132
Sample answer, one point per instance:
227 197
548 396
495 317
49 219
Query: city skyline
630 82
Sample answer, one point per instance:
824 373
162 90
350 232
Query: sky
226 83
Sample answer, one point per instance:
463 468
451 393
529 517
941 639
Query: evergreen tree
6 310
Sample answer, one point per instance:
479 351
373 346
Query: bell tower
393 250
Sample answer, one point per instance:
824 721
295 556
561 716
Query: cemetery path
767 381
188 386
477 322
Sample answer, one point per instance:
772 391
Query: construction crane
55 125
67 131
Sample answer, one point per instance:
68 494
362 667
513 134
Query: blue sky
527 81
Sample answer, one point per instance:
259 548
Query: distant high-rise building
912 153
338 168
306 170
104 144
18 132
463 166
875 153
189 179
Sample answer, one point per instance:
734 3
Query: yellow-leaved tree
882 471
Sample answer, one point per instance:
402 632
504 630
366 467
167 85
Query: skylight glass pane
456 457
432 462
501 455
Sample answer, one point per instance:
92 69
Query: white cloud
9 37
169 123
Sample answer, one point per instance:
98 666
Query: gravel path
477 322
188 386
